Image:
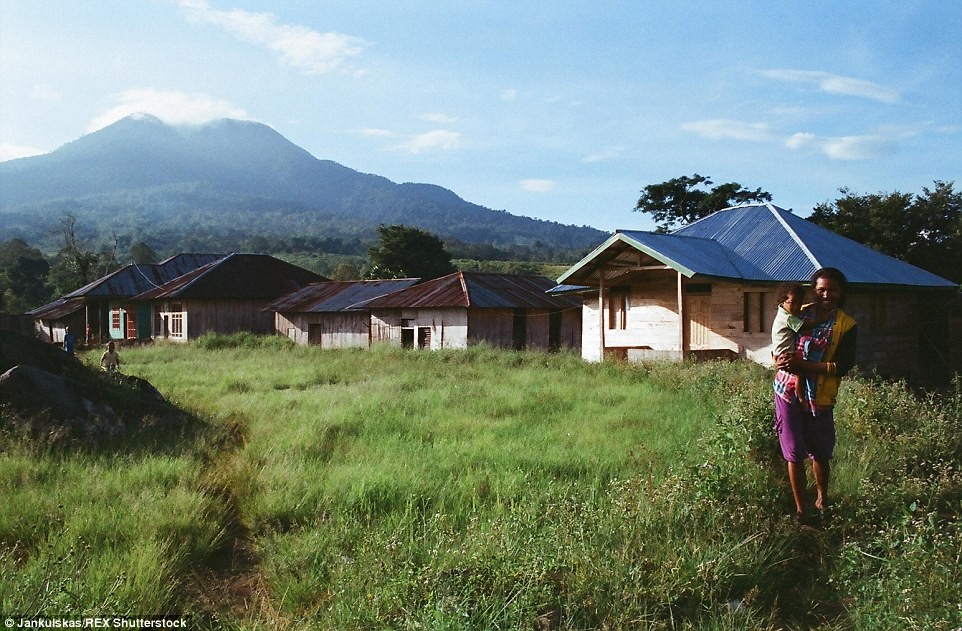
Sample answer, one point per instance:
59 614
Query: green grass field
481 489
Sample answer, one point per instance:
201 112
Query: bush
243 339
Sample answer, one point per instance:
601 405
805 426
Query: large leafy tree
23 276
684 199
76 264
142 254
404 252
924 230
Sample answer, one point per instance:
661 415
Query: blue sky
557 110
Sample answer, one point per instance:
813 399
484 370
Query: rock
18 349
33 390
54 396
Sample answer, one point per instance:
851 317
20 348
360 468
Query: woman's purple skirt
801 435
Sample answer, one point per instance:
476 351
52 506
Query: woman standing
806 425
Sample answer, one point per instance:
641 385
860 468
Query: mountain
144 177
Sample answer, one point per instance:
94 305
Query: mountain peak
145 117
232 167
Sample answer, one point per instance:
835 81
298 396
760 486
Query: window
115 319
175 319
177 324
757 313
618 308
424 337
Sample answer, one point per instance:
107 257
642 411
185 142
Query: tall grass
486 489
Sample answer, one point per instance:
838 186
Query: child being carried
787 325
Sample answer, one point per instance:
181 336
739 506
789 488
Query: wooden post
682 324
601 312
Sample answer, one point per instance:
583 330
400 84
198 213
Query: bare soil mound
54 396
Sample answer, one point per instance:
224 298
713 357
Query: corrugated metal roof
135 279
126 282
569 289
759 242
333 296
789 247
57 309
256 276
479 290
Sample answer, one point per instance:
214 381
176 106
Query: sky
561 110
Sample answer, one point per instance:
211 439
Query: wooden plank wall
652 320
449 327
892 326
494 326
327 330
571 329
227 316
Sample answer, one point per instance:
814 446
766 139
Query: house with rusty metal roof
332 314
708 289
101 309
465 308
224 296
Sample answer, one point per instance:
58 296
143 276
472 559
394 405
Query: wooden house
225 296
102 309
708 289
465 308
332 314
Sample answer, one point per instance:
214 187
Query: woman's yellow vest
826 386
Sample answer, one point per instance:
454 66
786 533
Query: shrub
244 339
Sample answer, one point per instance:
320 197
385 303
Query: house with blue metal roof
101 309
708 289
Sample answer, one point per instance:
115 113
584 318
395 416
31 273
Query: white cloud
608 153
298 46
509 94
12 152
439 139
862 147
857 147
174 107
720 128
800 140
835 84
948 129
537 186
854 147
442 119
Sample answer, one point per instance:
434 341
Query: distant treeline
37 266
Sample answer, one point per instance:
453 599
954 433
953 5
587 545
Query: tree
345 271
23 276
76 264
142 254
404 252
680 201
924 230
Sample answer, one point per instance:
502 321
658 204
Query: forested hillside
220 185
